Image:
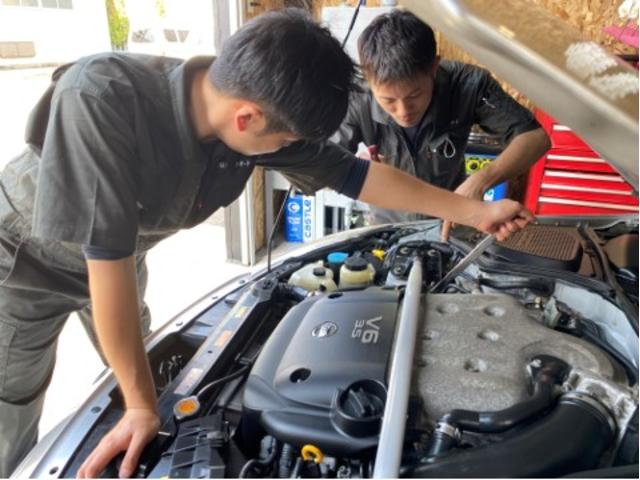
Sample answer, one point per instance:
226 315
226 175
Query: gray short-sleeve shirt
121 166
464 95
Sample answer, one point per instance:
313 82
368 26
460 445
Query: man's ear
434 65
249 117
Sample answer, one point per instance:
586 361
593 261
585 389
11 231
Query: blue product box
300 218
293 219
496 193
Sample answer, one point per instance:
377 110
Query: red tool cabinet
572 179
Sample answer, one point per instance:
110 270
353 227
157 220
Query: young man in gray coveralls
123 151
418 112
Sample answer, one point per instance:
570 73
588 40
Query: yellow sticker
223 338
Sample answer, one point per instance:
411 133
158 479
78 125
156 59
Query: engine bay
344 363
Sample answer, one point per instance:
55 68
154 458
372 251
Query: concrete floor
181 269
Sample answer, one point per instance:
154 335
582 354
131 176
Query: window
175 36
144 35
170 35
67 4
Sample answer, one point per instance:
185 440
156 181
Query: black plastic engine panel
321 377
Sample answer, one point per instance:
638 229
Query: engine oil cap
358 409
356 264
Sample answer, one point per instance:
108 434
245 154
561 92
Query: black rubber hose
571 438
247 468
551 372
204 391
292 292
501 420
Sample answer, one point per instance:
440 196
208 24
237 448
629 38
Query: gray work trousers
41 283
30 322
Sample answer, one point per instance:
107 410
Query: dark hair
290 66
396 46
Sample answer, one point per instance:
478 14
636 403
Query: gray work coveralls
112 162
463 95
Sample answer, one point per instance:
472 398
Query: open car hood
575 80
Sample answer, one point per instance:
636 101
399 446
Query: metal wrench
464 263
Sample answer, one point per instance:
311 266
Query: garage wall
588 16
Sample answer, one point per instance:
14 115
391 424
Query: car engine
353 360
487 366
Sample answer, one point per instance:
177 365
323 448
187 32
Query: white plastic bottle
313 277
356 272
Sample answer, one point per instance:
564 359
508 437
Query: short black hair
396 46
293 68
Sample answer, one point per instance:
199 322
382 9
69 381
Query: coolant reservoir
314 276
356 272
335 261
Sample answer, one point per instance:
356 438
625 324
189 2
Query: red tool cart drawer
560 135
572 179
576 160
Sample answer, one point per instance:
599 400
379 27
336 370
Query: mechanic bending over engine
418 112
125 150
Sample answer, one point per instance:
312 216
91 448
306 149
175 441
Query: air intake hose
546 373
571 438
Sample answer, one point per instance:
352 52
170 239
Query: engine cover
321 376
473 352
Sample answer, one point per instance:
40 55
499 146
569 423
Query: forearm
523 151
390 188
114 297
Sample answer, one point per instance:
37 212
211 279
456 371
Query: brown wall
588 16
